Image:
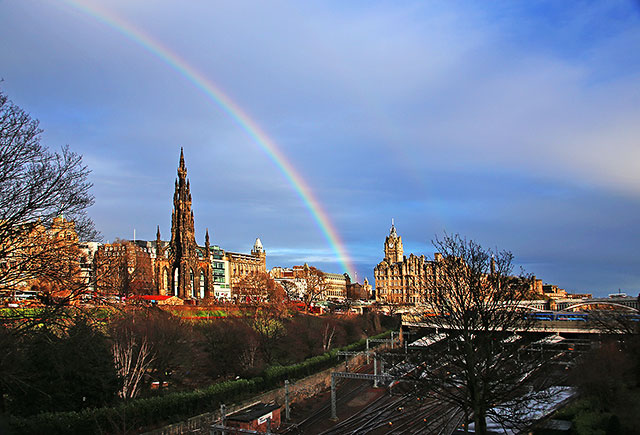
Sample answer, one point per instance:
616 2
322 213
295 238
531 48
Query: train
570 316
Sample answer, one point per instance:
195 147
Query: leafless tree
152 338
327 336
36 187
259 287
291 288
315 284
472 301
44 197
133 358
123 269
622 322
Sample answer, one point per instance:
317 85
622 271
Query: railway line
400 415
349 389
379 412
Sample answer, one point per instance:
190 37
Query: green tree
64 371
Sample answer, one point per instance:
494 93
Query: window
191 285
176 277
202 282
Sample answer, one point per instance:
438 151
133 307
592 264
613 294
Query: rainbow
234 111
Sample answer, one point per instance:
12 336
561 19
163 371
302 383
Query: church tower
393 250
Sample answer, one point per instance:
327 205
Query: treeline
607 379
144 365
140 414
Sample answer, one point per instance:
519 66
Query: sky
515 124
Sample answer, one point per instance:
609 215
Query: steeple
159 250
182 167
186 272
183 242
206 241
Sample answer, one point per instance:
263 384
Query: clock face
391 244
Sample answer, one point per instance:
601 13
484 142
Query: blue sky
516 124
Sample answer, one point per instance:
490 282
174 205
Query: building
397 277
88 251
124 268
44 259
220 276
179 267
261 418
336 286
291 280
362 291
294 280
241 265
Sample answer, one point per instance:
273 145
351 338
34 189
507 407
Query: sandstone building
241 265
179 267
398 278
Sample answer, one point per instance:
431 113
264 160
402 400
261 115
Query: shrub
149 412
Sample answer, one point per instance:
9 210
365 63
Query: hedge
140 413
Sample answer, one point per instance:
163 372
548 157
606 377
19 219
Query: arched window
176 277
202 282
165 280
191 286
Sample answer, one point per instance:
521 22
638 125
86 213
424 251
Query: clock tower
393 246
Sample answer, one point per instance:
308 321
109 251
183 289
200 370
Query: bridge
624 303
629 304
573 316
562 327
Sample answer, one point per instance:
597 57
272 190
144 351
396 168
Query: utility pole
286 399
334 413
223 416
375 370
367 350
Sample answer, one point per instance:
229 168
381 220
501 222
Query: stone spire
183 240
183 247
159 250
181 167
206 241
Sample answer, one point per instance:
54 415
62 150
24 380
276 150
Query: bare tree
37 188
123 269
133 358
472 300
258 287
327 337
315 284
292 288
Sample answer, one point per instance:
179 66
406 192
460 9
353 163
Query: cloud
512 123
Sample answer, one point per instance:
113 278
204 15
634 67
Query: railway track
401 415
348 390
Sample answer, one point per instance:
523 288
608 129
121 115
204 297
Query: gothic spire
182 228
182 168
